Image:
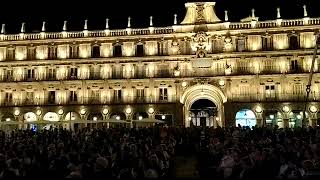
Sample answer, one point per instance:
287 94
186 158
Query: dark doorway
202 112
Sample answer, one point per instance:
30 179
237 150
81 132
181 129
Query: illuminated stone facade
262 66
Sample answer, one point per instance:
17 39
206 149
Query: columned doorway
202 113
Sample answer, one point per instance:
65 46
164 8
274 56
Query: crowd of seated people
222 153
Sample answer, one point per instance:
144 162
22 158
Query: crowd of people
235 152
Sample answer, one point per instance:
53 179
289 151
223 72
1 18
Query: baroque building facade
251 71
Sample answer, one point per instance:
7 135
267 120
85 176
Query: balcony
274 97
88 101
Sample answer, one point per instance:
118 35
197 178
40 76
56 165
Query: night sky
33 12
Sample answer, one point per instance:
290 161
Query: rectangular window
117 95
31 53
95 51
95 96
8 98
9 75
52 52
140 50
270 91
30 74
11 54
51 74
73 51
52 97
73 73
241 45
267 43
73 96
244 90
294 65
297 89
140 95
117 51
293 42
163 94
29 97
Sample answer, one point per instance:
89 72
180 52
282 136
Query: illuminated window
140 94
73 96
117 51
297 89
270 91
163 94
140 50
117 95
95 51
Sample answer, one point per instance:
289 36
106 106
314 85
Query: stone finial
23 28
3 29
129 22
85 24
151 22
278 13
64 26
305 12
226 18
43 29
107 23
253 14
175 21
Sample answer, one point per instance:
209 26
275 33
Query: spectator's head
101 163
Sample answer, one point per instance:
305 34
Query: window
29 97
52 97
8 98
117 95
218 45
163 94
270 91
294 65
117 51
11 54
297 89
52 74
140 50
52 52
244 90
140 94
241 45
31 53
95 95
9 75
73 96
73 73
293 42
73 51
95 51
267 43
30 74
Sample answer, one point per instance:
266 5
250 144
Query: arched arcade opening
246 117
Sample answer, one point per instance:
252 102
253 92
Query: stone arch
246 117
203 91
51 116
